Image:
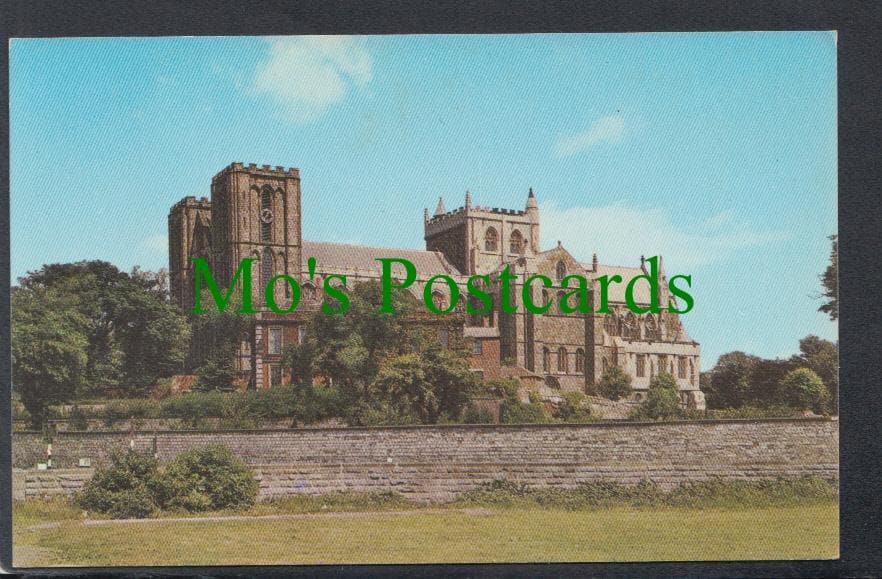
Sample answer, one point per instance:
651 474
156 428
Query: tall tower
189 235
256 213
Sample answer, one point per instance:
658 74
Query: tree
804 389
614 384
830 281
134 334
49 349
662 401
822 357
729 384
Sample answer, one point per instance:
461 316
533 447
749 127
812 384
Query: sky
715 150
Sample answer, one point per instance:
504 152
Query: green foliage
216 338
115 410
662 401
516 412
79 420
134 486
207 478
804 389
822 357
573 408
477 415
506 388
729 384
830 281
614 384
122 490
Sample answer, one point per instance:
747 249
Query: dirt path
220 519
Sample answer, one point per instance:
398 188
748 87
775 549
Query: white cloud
620 234
305 75
608 129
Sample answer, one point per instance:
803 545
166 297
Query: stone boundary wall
439 462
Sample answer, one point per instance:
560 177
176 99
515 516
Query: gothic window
681 367
651 328
580 361
641 365
439 300
491 240
691 372
309 292
662 363
545 298
516 242
561 270
630 329
275 341
546 360
562 360
275 375
611 324
266 214
266 267
561 296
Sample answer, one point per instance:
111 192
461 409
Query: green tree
830 281
573 408
822 357
49 348
729 384
804 389
614 384
662 401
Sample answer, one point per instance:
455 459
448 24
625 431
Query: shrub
124 489
662 402
194 406
507 388
802 388
78 419
574 408
477 415
125 409
515 412
210 477
614 384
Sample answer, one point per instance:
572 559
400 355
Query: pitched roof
617 290
342 257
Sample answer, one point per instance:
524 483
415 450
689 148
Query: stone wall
438 462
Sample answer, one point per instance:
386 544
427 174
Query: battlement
476 209
191 201
253 168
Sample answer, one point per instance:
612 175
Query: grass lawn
437 534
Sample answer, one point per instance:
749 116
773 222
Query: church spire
440 210
531 200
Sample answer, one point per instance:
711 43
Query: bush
614 384
477 415
125 409
78 419
124 489
507 388
194 406
515 412
662 402
210 477
574 408
802 388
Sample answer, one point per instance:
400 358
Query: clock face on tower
266 215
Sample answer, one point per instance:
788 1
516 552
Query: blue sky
717 151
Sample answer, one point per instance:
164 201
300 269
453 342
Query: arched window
545 297
580 361
266 214
630 329
560 271
491 240
651 328
516 242
309 292
561 296
266 266
439 300
562 360
546 360
638 397
611 324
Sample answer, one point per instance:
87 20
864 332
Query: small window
477 347
546 360
641 365
562 360
516 242
301 335
275 375
444 338
561 270
275 340
491 240
681 367
580 361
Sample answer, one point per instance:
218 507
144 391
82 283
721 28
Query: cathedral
254 211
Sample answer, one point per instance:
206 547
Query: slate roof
343 257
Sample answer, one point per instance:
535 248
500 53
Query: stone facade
439 462
255 212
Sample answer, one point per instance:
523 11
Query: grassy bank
502 522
